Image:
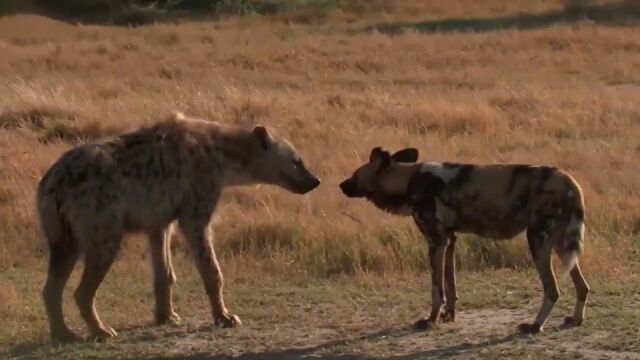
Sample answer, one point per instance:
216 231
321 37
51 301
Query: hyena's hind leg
581 286
449 313
163 276
540 235
63 255
101 251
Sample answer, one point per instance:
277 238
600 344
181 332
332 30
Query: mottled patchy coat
143 181
492 201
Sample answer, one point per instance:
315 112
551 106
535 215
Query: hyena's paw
529 328
425 324
64 336
171 319
570 321
103 333
448 315
227 320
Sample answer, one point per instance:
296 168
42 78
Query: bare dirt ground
363 318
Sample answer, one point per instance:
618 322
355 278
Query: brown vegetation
564 95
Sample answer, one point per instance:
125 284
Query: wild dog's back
498 201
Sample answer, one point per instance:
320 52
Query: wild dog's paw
425 324
448 315
227 320
529 328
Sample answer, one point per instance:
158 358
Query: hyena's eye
297 163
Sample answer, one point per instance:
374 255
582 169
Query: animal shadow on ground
34 349
619 13
386 334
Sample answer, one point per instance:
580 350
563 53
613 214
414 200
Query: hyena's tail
573 240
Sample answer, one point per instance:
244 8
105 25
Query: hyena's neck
234 148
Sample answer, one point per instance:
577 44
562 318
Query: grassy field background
475 81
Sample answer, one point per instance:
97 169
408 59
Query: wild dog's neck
397 179
391 193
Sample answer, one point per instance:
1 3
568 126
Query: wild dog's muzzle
350 188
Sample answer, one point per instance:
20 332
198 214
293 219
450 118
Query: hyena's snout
350 188
306 184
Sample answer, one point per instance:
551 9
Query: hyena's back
131 182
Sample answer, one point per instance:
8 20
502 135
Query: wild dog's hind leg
438 241
540 235
449 313
582 290
101 251
63 256
198 235
163 276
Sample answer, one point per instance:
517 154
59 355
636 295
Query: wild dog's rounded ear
408 155
384 156
385 160
262 135
375 152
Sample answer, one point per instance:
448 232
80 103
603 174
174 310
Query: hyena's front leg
449 313
438 242
198 235
163 276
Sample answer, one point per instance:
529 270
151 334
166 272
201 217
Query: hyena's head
383 180
275 161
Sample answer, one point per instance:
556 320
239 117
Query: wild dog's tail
573 240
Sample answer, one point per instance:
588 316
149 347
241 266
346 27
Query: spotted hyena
143 181
492 201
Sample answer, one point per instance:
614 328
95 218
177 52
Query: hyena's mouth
305 185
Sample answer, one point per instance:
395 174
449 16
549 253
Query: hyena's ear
261 134
408 155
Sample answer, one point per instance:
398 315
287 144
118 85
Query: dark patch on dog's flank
463 176
545 175
522 201
517 172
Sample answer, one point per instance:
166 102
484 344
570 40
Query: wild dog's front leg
438 242
449 313
198 234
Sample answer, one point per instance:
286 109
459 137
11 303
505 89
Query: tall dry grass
562 95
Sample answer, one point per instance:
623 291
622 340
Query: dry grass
565 95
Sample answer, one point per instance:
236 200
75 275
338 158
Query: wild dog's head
275 161
383 180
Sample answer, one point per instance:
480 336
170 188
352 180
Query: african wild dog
143 181
492 201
